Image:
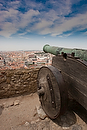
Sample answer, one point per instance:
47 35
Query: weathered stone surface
33 122
8 80
16 102
3 79
38 120
41 113
26 123
17 82
1 108
8 104
76 127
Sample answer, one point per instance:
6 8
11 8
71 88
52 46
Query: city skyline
29 25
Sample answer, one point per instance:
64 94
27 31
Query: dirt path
19 113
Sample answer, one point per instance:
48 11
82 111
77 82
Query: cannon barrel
81 53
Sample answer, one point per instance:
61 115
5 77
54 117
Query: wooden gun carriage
66 76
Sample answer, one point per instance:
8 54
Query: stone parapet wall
18 82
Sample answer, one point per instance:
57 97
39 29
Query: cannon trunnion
66 76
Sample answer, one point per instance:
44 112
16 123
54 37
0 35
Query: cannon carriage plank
76 73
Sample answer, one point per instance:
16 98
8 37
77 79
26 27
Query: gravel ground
21 113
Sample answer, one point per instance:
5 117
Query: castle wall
18 82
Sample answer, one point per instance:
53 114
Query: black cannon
67 76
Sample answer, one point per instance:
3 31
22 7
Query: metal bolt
47 77
52 102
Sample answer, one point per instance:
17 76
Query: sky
30 24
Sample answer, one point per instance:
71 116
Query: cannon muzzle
81 53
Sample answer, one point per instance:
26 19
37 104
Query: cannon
67 76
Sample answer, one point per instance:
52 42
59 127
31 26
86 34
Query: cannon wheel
52 91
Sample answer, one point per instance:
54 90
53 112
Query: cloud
49 18
1 5
14 2
17 19
27 17
79 22
10 13
8 29
85 33
51 15
64 35
21 34
67 35
62 7
42 24
75 1
31 4
6 4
